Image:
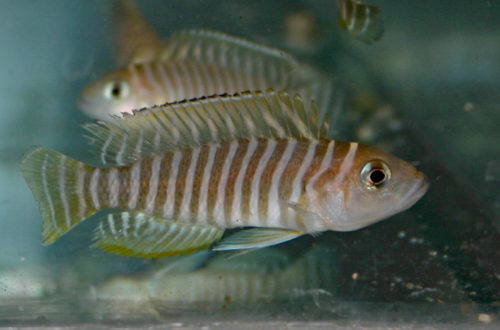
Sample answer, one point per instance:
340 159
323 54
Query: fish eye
375 174
116 90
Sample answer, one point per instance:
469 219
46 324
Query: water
428 91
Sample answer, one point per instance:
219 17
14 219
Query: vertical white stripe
139 220
227 81
138 145
168 206
157 142
345 167
47 192
114 187
273 200
119 154
236 210
111 224
210 53
203 198
174 73
166 83
325 165
219 209
101 229
205 81
134 185
254 217
193 76
185 208
94 194
62 189
353 16
148 70
367 20
125 223
80 181
153 184
105 147
298 184
306 163
215 79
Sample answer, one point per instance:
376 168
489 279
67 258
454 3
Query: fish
223 283
361 20
173 178
198 63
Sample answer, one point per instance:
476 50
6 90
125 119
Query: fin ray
54 180
140 235
177 125
256 238
221 49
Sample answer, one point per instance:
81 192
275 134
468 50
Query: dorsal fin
136 40
235 53
277 67
243 115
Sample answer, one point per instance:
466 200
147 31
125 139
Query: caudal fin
56 182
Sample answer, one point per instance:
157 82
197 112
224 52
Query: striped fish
176 176
362 21
224 283
197 63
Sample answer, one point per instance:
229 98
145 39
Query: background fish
220 283
198 63
179 175
361 20
136 40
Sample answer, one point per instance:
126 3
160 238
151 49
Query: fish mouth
417 190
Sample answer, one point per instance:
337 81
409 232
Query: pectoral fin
256 238
140 235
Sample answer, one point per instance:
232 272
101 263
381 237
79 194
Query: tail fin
57 183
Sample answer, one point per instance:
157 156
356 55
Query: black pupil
116 90
377 177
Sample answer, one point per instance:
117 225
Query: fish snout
418 189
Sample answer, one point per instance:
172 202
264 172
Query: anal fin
140 235
256 238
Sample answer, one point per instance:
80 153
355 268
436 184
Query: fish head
374 185
110 95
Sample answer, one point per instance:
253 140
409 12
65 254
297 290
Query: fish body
221 282
196 63
179 175
154 83
361 20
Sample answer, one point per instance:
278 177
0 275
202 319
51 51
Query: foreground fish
196 63
178 175
362 21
